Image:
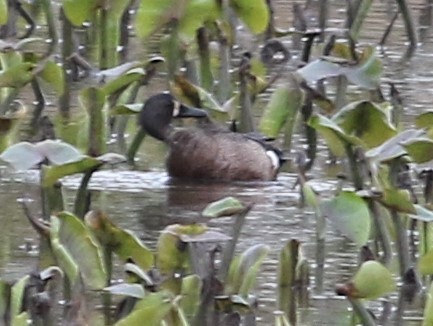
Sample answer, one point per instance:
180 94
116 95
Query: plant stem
408 22
381 232
135 145
52 29
361 13
81 204
401 242
67 50
205 65
354 168
363 314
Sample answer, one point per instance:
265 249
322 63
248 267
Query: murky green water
145 201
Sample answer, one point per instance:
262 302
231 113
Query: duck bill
188 112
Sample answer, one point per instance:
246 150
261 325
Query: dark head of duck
208 151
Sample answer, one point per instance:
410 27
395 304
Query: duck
207 151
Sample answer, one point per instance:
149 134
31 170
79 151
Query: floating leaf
227 206
254 13
73 235
152 309
281 110
350 215
126 289
367 121
398 199
243 270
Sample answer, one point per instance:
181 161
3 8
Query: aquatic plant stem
224 51
354 168
408 22
381 232
231 245
363 314
205 65
135 145
52 29
401 242
361 13
81 203
67 50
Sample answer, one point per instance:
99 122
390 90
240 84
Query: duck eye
176 108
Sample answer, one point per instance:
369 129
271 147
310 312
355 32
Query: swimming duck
208 151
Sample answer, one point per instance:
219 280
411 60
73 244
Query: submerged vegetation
193 276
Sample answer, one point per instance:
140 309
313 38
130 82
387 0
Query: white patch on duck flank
274 159
176 108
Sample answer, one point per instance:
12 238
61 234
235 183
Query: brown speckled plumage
205 152
216 154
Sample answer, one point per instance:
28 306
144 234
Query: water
145 201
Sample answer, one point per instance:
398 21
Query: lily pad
350 215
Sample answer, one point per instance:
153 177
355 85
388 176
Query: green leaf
398 199
350 215
422 214
419 149
334 135
82 247
125 79
365 74
171 256
197 13
5 292
425 263
152 15
126 109
21 320
392 148
367 121
79 11
254 13
51 174
17 296
151 310
372 281
243 271
428 309
127 245
17 76
281 110
53 75
190 292
3 12
424 120
227 206
126 289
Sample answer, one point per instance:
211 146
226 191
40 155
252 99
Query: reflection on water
146 202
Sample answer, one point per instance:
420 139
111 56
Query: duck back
219 155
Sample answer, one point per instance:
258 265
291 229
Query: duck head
159 110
